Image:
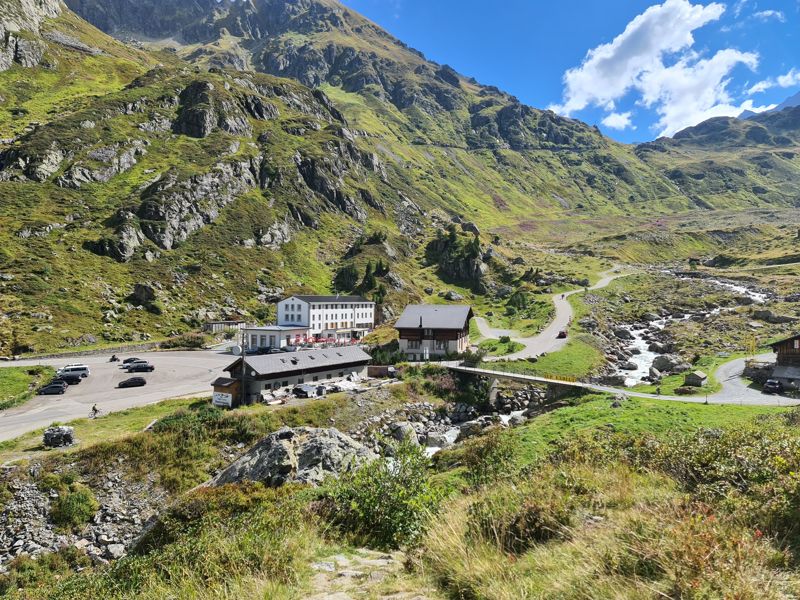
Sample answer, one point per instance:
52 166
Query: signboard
222 399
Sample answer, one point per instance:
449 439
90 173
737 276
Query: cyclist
95 412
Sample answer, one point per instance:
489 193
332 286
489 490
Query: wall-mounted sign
222 399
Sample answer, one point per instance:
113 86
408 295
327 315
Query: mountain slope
143 191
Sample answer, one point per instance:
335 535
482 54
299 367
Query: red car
562 334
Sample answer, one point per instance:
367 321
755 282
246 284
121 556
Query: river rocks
303 454
404 431
627 366
665 363
622 333
58 437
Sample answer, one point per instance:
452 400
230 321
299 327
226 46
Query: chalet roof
328 299
699 374
786 372
306 360
435 316
791 339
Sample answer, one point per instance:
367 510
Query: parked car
308 391
773 386
289 349
128 361
52 389
141 367
80 370
68 378
133 382
561 334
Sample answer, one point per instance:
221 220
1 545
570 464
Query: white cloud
653 57
620 121
609 71
766 15
739 7
790 79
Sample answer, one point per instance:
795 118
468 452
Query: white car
75 369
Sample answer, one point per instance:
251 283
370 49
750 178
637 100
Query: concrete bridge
734 390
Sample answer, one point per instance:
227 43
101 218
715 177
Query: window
414 344
328 376
797 344
253 341
300 380
429 332
285 384
341 373
441 345
316 378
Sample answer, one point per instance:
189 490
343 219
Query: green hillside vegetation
623 501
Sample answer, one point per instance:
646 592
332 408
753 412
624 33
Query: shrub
74 507
516 519
26 573
490 457
187 340
504 339
386 502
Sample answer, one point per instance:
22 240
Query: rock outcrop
303 454
58 437
174 208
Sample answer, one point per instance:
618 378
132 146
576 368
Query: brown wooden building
431 330
788 351
787 367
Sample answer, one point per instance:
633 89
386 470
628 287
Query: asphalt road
546 341
734 390
177 374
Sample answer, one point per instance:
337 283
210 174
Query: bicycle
94 414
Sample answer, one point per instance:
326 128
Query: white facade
342 318
274 336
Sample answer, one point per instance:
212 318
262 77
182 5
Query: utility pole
243 393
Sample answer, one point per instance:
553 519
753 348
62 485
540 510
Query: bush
187 340
26 573
387 502
515 520
74 507
490 457
504 339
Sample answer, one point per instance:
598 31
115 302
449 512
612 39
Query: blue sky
636 69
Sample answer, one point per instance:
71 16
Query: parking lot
176 374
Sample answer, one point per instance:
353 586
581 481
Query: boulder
142 295
628 366
58 437
453 296
303 454
622 334
665 363
404 431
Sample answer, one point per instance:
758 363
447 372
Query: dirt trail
368 575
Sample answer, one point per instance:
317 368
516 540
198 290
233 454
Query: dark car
133 382
68 378
141 367
52 389
128 361
561 334
308 391
773 386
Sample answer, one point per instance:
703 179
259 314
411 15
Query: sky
636 69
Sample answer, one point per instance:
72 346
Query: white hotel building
304 319
339 317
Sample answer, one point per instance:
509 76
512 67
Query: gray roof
304 360
786 372
340 299
434 316
275 328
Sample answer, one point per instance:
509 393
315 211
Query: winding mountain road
547 340
734 390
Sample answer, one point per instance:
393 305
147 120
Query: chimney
420 321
